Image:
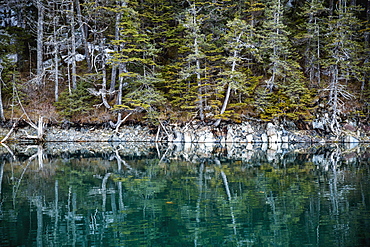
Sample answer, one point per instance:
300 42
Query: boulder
249 138
350 139
318 124
264 138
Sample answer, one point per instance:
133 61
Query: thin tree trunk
115 47
113 82
73 47
40 38
84 35
56 63
228 91
197 64
2 117
104 88
121 121
104 79
9 133
1 174
122 68
200 97
334 100
318 54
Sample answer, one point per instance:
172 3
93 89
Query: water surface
142 195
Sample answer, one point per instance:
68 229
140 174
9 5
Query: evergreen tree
285 94
344 54
194 71
76 104
312 37
136 58
237 43
6 65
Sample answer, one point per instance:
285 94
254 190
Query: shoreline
247 132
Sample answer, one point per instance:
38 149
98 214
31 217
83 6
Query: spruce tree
344 54
285 95
136 58
237 44
193 71
312 36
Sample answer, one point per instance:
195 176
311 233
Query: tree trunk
333 99
104 79
228 91
83 35
40 37
197 64
1 175
2 117
56 62
73 46
116 48
200 97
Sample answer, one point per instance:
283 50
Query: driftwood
9 133
40 137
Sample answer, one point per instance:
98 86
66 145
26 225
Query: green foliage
7 47
78 102
144 97
293 102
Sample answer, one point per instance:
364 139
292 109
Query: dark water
179 196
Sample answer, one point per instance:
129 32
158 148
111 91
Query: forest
157 61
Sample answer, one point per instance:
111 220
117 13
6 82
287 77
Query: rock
318 124
188 136
349 127
264 138
114 138
350 139
178 136
285 139
249 138
246 128
271 129
207 137
230 134
170 137
247 132
273 139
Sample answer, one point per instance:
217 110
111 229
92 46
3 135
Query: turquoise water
171 196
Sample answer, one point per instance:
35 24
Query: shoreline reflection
201 195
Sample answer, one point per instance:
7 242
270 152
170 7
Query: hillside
298 64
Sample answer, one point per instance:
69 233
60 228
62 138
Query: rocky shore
247 132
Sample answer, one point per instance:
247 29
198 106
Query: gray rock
351 139
318 124
264 138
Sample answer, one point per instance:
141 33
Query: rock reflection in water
113 194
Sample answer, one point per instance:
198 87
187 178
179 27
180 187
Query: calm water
142 195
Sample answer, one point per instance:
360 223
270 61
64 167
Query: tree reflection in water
201 195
